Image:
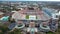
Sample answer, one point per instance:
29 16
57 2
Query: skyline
29 0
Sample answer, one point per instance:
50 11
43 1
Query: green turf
27 16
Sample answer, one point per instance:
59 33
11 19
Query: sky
29 0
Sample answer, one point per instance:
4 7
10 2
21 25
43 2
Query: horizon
31 0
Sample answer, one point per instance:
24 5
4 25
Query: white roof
1 13
20 8
59 12
13 11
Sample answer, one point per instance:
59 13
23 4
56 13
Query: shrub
15 31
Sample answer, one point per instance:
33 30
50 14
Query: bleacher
49 11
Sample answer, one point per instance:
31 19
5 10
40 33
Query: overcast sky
29 0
